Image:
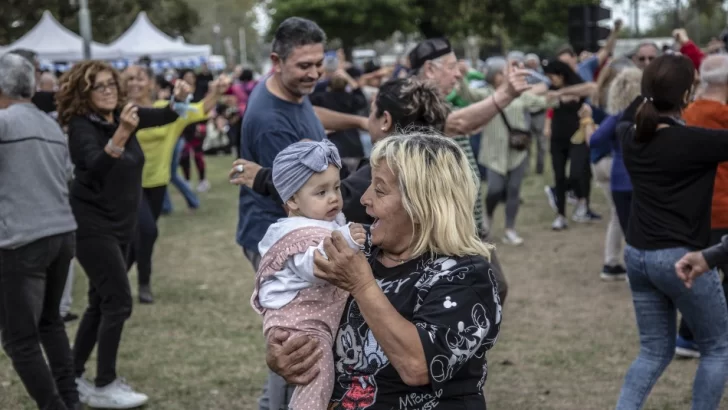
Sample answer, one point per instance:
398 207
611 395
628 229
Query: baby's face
320 198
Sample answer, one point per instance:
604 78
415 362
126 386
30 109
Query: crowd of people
366 206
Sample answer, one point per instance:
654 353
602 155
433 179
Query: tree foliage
356 22
108 18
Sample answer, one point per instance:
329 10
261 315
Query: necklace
400 261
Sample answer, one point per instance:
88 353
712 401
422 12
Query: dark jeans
32 279
150 208
715 236
623 205
103 258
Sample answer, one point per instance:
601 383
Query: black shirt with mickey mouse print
453 302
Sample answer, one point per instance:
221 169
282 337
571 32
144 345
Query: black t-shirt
565 122
347 141
453 302
673 177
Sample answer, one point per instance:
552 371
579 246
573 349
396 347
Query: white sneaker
559 224
203 186
117 395
581 214
85 388
511 238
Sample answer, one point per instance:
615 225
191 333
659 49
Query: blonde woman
609 170
424 307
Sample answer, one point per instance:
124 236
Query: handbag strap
503 116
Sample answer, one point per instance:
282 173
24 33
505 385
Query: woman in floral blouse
424 307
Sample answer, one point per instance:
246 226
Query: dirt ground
566 342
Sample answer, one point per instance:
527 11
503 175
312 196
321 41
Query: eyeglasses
102 88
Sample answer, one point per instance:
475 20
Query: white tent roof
51 41
144 38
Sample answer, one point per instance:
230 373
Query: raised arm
336 121
468 119
608 49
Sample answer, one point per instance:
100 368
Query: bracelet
116 150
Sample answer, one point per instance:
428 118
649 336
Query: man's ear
277 62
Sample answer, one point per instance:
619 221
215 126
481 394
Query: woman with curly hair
105 198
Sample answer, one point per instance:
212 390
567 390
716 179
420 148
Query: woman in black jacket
105 197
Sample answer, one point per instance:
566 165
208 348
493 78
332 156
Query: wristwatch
116 150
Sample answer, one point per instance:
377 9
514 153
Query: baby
287 294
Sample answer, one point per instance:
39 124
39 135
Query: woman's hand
128 122
243 172
690 267
293 359
181 90
585 112
517 81
346 268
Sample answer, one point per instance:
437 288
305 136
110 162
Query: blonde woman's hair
624 89
438 190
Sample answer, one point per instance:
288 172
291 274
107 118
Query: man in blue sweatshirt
37 240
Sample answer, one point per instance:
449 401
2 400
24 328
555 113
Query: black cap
427 50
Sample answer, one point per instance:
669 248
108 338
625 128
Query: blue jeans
182 185
656 293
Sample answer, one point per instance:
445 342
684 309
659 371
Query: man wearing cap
434 61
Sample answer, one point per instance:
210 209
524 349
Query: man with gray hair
37 240
710 111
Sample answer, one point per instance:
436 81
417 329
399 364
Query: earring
384 129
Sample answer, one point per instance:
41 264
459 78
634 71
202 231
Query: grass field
566 341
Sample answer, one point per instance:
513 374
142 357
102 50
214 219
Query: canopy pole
84 22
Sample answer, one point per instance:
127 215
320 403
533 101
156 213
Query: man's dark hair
566 49
29 55
296 32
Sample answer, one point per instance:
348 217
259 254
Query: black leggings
109 305
149 211
579 171
715 236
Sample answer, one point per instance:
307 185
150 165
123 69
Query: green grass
567 338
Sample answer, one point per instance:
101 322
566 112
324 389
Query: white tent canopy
144 39
51 41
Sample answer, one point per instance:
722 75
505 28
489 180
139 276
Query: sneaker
85 388
551 197
613 273
203 186
559 223
145 295
117 395
593 216
581 214
686 348
511 238
571 198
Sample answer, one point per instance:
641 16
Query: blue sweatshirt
605 139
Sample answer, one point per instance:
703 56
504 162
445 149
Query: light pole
218 43
84 22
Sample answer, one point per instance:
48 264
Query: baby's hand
358 234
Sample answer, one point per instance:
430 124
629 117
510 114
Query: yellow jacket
158 145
